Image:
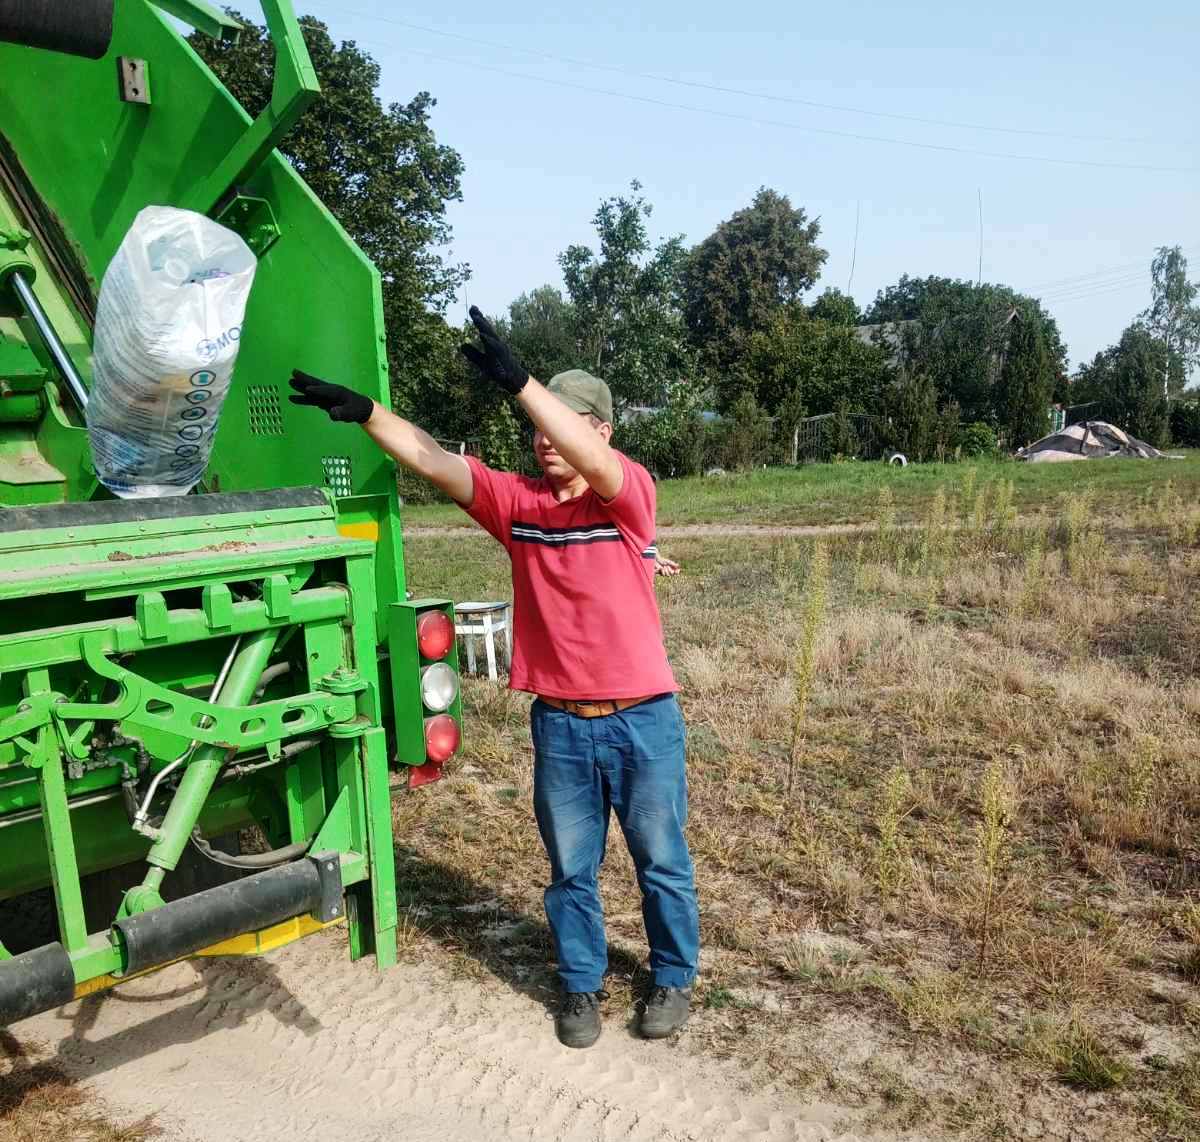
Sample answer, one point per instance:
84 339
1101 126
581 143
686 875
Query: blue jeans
631 763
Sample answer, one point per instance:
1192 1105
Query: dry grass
39 1102
989 856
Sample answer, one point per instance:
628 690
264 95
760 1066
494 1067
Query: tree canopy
762 258
1173 316
961 336
1126 380
380 171
629 329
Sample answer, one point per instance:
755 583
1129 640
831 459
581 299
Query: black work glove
495 360
340 403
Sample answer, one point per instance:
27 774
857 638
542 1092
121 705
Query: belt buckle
591 708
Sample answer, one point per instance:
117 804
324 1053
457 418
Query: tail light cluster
439 685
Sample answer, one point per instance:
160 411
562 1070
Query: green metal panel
95 161
132 639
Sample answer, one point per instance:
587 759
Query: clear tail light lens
439 687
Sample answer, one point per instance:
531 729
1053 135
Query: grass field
39 1103
848 493
945 789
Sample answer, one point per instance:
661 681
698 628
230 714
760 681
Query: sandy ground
303 1044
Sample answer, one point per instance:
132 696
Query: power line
760 122
979 279
726 90
854 253
1093 294
1100 283
1104 271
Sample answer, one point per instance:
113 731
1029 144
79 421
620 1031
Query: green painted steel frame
293 88
202 16
94 162
337 793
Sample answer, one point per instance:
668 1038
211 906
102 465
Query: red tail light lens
435 634
441 738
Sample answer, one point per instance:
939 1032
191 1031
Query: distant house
891 337
888 335
634 411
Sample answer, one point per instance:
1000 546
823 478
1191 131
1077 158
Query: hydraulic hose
271 859
206 762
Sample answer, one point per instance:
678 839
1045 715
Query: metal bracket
253 219
329 869
133 79
203 17
144 705
15 239
32 712
41 750
344 680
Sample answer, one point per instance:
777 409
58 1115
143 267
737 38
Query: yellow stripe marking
249 944
368 530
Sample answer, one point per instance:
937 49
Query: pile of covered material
1089 440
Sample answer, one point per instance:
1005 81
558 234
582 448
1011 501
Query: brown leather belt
594 708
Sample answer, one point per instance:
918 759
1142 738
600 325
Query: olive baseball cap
582 392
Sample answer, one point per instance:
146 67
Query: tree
754 263
382 173
626 298
1185 421
669 441
959 335
541 329
745 435
836 307
1174 316
1126 380
911 419
800 362
1026 384
456 404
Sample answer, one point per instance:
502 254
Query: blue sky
1110 84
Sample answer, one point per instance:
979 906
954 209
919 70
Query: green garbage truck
206 700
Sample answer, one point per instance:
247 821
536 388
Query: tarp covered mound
1088 440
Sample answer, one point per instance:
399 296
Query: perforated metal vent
266 414
338 475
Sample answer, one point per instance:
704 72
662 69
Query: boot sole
579 1044
661 1033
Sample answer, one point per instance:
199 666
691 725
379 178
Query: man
607 732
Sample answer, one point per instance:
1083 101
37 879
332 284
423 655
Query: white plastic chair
484 621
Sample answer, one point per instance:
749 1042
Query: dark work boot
578 1019
664 1011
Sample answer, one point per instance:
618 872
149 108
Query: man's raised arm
404 442
574 439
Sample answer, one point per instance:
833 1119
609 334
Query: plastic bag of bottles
168 327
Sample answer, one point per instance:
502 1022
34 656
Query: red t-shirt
585 618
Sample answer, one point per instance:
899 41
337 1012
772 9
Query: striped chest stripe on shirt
570 536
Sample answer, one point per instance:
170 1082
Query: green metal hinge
253 219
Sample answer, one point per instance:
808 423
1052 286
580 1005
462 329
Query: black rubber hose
79 28
271 859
